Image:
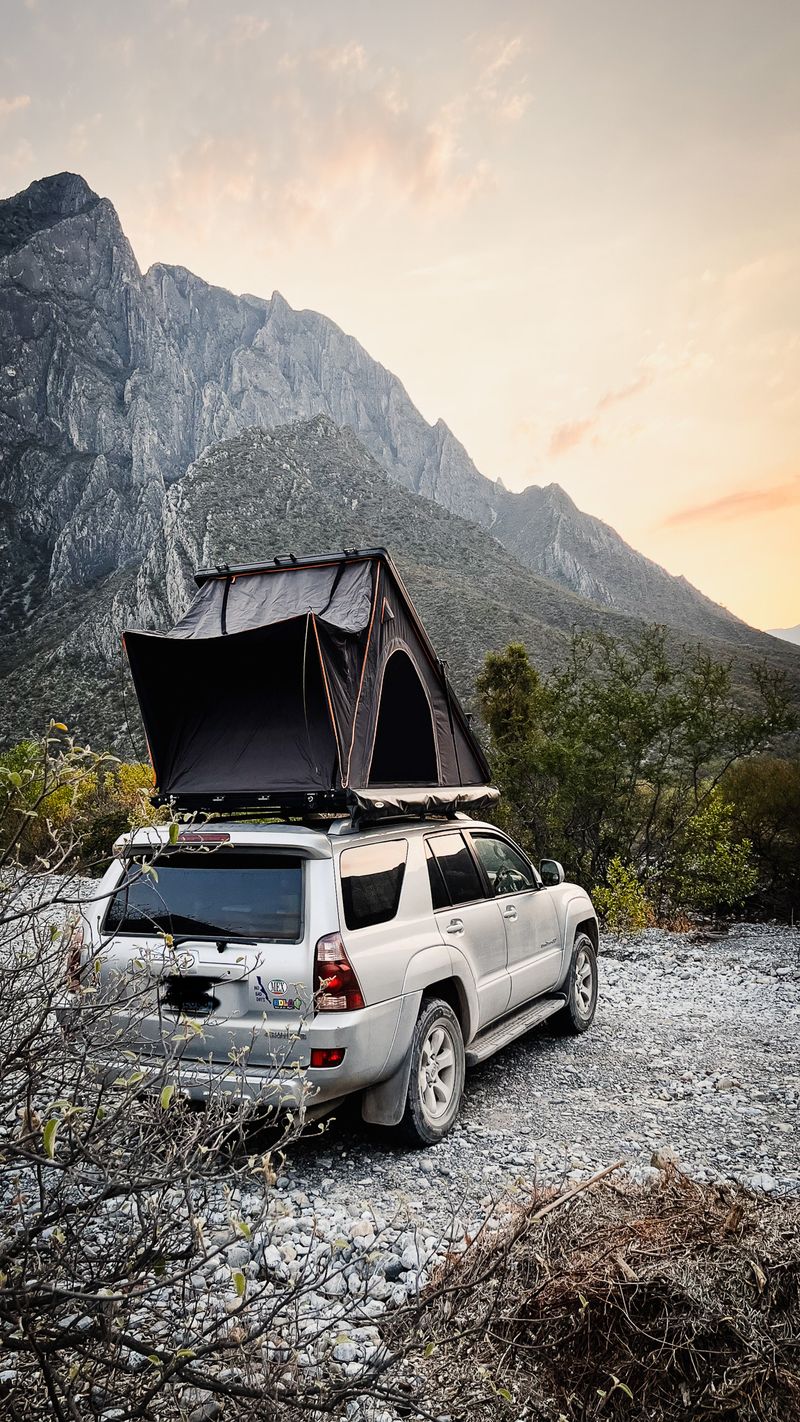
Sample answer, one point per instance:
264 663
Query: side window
439 895
459 870
372 877
506 870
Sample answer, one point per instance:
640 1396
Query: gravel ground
694 1056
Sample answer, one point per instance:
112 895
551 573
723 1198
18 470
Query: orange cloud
333 136
12 106
744 503
572 432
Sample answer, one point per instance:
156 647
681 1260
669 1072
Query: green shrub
713 871
52 791
622 901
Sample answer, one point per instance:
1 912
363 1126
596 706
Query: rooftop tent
304 682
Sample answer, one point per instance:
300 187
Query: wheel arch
451 991
590 928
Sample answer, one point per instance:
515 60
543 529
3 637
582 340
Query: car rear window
459 872
372 878
223 894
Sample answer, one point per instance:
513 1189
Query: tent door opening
404 752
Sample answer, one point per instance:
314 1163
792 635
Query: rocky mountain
152 422
309 486
112 383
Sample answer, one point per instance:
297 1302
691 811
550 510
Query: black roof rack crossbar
290 560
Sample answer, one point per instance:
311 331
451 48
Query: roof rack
366 806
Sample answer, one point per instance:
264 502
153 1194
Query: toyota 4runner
299 965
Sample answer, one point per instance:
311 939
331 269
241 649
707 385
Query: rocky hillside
305 487
112 383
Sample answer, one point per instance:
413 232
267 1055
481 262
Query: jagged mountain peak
558 498
63 193
40 206
278 303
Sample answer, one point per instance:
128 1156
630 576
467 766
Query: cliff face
113 383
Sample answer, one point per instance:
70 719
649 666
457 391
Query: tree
616 752
52 784
764 796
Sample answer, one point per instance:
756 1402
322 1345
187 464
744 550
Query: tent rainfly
305 684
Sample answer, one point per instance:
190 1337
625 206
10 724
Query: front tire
577 1015
436 1082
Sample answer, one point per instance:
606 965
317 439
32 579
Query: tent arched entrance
404 750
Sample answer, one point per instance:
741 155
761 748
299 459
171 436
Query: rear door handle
456 925
510 912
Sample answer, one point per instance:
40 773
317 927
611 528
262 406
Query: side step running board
491 1039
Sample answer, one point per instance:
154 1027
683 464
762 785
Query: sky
571 227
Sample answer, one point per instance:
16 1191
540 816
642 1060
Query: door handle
510 912
456 925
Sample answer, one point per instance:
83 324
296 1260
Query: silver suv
299 965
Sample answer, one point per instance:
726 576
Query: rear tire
577 1015
436 1083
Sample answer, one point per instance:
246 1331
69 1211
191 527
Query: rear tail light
336 987
74 947
327 1056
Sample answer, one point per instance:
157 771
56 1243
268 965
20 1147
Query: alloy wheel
437 1071
584 983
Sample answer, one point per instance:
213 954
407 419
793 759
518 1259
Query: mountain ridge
305 487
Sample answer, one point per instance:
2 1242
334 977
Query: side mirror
552 873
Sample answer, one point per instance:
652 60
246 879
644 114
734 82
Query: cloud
246 28
497 89
333 135
573 432
743 503
652 367
12 106
344 56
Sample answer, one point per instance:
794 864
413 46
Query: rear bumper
373 1039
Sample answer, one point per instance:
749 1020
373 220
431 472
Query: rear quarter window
372 880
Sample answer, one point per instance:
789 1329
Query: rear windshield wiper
220 943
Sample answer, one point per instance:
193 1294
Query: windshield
224 894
